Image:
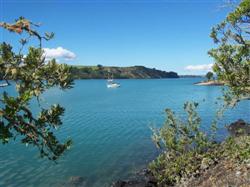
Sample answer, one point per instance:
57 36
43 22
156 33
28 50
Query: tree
209 75
186 149
99 66
232 56
31 74
185 146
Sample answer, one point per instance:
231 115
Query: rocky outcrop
239 128
143 178
75 181
226 169
225 173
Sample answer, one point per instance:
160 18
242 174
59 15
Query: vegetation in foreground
192 158
232 55
32 76
188 151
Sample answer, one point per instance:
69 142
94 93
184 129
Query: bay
110 129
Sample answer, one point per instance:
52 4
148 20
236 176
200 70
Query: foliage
236 149
99 66
32 75
134 72
187 151
209 75
232 56
184 146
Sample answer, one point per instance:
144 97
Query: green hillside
134 72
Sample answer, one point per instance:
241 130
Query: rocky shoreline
143 178
237 175
222 173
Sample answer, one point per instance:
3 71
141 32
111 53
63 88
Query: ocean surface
110 129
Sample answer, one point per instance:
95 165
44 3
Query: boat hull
113 85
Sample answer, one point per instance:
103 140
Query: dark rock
133 183
119 184
143 178
77 181
239 128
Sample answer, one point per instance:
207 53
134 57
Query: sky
170 35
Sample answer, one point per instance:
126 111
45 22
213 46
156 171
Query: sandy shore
209 83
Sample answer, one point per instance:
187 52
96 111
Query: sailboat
4 84
112 84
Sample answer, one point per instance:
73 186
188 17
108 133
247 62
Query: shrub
185 147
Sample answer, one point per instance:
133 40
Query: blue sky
164 34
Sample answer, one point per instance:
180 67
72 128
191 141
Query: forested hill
134 72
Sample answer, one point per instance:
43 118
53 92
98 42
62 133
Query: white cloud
58 53
202 67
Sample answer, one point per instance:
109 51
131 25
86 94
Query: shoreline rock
209 169
75 181
143 178
224 172
238 128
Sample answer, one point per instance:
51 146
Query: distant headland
133 72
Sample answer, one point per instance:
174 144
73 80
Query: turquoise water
110 130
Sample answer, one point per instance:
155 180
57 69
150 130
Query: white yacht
4 84
112 84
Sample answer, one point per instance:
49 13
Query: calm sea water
110 130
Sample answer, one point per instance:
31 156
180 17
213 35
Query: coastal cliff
133 72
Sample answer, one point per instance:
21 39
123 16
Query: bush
187 151
185 147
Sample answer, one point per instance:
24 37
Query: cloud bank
202 67
59 53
